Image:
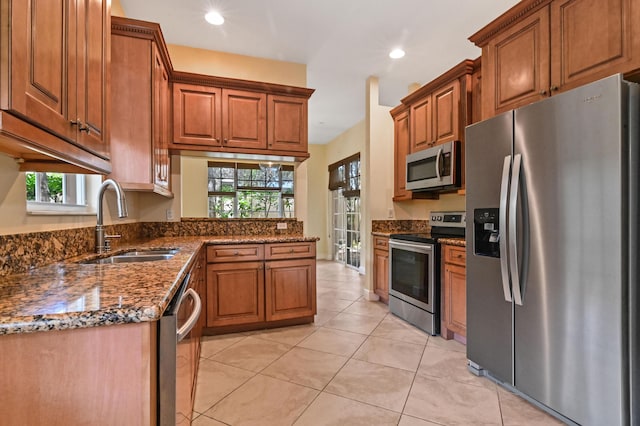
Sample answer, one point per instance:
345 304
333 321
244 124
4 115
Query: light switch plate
169 214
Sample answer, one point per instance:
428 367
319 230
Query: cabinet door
592 39
43 63
446 113
400 151
94 49
290 287
455 299
381 274
197 115
244 123
516 69
421 124
160 142
287 123
235 293
131 110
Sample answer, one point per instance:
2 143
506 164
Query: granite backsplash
400 226
22 252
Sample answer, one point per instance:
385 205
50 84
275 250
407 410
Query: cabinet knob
553 88
290 250
235 253
543 92
225 140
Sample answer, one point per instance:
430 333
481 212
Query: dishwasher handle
191 322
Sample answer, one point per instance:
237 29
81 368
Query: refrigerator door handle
502 226
438 157
513 240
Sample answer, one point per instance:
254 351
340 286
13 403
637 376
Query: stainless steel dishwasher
174 355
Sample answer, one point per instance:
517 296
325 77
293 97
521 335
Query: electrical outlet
281 225
169 214
390 213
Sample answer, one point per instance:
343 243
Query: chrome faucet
102 240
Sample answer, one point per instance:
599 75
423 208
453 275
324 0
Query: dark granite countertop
69 294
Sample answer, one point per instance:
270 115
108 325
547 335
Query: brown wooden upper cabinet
435 113
287 123
401 148
140 107
211 116
239 116
54 91
197 115
439 110
538 48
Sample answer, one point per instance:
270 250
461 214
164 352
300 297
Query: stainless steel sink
148 252
148 255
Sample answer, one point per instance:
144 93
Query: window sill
46 209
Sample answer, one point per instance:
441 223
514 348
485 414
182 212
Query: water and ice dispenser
486 232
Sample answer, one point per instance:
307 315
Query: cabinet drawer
454 254
290 250
235 253
381 243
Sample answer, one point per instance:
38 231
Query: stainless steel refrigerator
552 239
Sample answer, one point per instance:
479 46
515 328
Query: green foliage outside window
49 187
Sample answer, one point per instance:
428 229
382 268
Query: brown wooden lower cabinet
235 293
381 267
290 288
454 292
249 287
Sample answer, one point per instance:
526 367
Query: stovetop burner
443 225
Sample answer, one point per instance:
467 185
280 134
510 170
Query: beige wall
317 199
237 66
116 8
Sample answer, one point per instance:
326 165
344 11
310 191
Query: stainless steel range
414 271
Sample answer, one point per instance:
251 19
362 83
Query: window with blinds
345 175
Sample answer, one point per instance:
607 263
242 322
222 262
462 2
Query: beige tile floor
356 365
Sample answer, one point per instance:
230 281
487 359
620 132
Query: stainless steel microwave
435 168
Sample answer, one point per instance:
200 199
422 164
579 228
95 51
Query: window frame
239 190
71 182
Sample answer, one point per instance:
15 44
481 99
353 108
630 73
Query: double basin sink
148 255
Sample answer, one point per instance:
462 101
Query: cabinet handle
235 253
290 250
84 128
76 122
225 140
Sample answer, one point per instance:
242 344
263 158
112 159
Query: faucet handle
107 241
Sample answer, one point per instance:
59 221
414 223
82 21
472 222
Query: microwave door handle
438 160
513 237
191 322
502 225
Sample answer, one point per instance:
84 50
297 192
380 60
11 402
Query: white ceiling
342 42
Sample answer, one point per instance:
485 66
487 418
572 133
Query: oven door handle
420 247
191 322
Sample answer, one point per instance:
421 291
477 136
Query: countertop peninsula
71 294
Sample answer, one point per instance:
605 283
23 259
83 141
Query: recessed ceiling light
214 18
396 54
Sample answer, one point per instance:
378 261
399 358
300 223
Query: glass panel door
346 229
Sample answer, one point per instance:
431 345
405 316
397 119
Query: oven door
412 273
